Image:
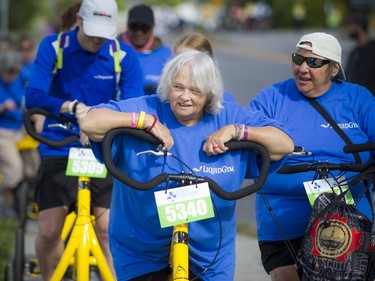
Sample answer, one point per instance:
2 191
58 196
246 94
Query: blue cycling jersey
88 77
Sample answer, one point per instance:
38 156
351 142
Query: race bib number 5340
184 204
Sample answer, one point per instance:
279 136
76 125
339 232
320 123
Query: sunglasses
142 27
311 62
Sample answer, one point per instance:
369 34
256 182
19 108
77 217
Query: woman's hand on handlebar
160 131
215 143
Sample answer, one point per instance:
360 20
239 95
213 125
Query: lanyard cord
279 227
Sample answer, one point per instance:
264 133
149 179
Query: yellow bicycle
179 250
82 246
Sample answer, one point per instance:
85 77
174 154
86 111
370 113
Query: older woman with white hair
189 117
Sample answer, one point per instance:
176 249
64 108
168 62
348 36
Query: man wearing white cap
318 75
73 71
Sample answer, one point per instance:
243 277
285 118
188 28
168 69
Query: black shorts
55 189
275 254
161 275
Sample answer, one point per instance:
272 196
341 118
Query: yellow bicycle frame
179 255
82 249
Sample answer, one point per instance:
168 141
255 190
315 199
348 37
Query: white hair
206 76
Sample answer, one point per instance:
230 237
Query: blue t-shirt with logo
152 63
353 109
138 244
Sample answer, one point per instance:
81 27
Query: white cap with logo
325 45
99 18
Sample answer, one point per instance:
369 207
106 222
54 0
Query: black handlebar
243 192
353 148
324 166
31 129
345 167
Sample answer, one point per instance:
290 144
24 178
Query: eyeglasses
142 27
311 62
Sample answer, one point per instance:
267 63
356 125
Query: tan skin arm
274 140
99 121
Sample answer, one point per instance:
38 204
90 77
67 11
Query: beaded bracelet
133 120
141 119
148 129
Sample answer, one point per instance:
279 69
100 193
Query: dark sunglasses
142 27
311 62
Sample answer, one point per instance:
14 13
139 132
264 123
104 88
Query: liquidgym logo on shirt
104 77
349 125
214 170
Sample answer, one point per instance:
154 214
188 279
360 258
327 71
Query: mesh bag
337 243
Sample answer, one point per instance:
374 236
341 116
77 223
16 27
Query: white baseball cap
99 18
325 45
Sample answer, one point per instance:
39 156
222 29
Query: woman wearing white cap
317 75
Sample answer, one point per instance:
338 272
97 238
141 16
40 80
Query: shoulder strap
116 50
341 133
334 125
116 54
59 52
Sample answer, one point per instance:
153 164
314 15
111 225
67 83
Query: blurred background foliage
42 17
24 15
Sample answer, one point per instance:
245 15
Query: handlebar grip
111 167
350 167
30 129
107 156
353 148
293 169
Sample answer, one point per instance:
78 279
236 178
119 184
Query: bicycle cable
217 214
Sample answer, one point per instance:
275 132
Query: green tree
21 14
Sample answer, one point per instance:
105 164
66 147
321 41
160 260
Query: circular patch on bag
334 239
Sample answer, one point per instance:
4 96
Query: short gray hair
206 76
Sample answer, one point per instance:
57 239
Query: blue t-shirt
138 244
15 91
152 63
353 109
88 77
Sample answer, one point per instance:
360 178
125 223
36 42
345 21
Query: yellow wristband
142 115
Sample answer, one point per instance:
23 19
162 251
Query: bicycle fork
82 242
179 255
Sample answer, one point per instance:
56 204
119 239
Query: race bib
82 162
316 187
184 204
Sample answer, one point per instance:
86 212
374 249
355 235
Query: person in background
317 74
89 74
12 91
189 102
360 67
68 19
26 48
197 41
152 53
